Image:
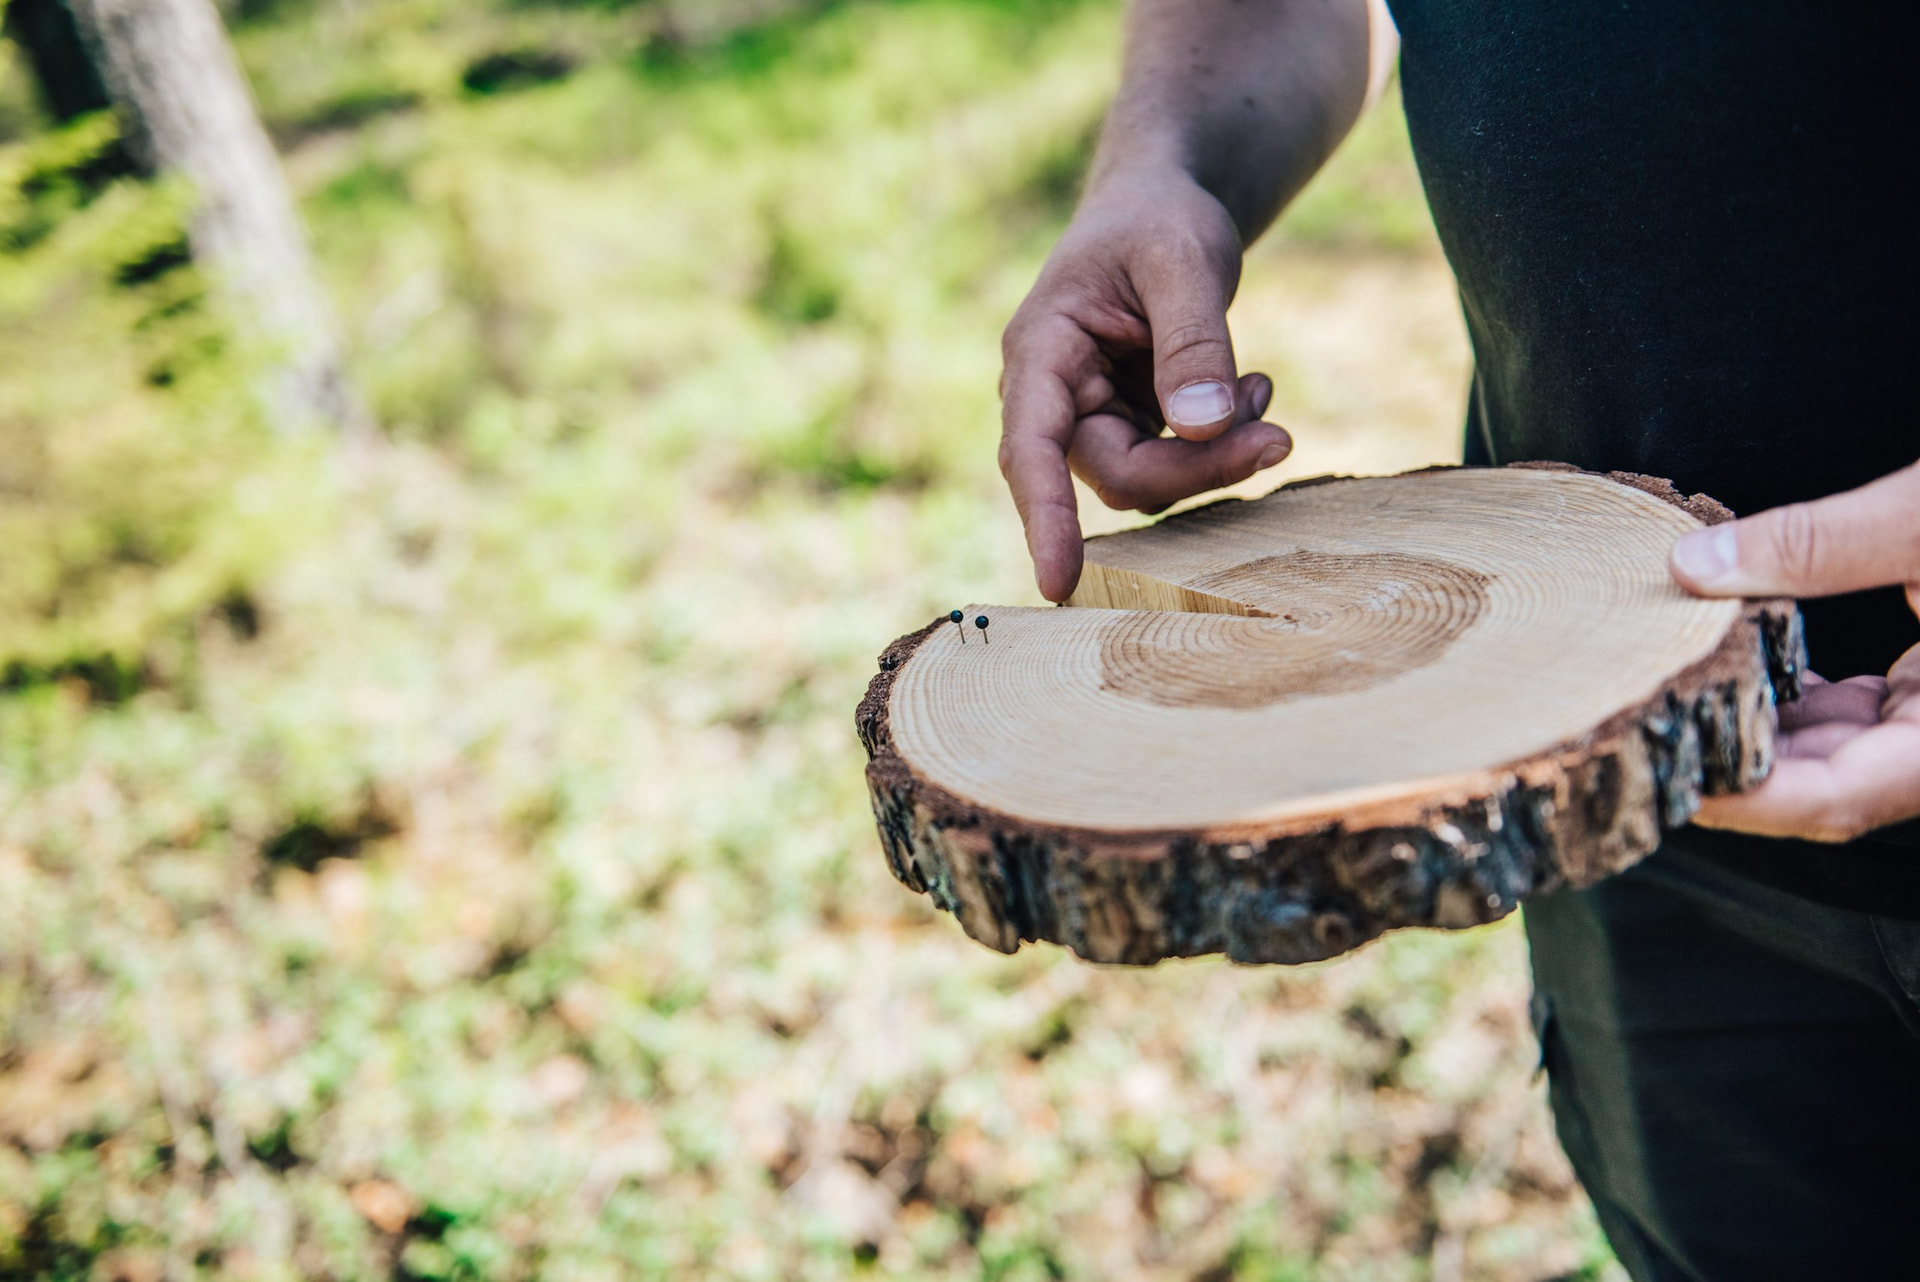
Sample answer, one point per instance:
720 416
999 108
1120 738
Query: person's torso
1682 244
1684 249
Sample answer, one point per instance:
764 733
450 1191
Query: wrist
1146 187
1137 164
1158 177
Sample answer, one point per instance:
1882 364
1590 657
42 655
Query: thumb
1194 375
1864 538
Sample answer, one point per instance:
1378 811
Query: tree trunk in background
63 70
186 109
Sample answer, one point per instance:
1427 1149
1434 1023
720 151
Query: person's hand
1849 755
1126 333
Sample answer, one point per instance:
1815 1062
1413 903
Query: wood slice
1277 728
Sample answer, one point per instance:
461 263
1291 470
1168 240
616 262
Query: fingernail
1199 404
1707 556
1262 397
1269 456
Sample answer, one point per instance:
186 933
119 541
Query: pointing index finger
1037 423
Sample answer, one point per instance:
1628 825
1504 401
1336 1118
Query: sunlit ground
470 875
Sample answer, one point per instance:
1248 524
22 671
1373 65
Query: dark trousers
1735 1072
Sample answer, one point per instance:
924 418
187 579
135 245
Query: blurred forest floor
458 866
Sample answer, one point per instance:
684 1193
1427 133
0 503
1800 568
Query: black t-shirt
1682 249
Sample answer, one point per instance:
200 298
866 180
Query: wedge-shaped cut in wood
1277 728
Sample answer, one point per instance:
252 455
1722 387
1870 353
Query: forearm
1249 97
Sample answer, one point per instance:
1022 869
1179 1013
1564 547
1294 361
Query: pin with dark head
957 616
980 621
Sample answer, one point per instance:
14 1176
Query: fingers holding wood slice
1277 728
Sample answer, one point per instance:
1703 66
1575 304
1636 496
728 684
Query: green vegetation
454 863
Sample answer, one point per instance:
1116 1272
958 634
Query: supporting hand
1850 750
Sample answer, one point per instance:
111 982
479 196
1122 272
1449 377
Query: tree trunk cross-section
1277 728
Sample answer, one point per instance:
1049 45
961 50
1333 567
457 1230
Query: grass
460 867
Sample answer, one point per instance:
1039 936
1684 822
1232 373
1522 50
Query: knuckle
1192 339
1223 469
1842 819
1795 542
1014 336
1029 322
1838 828
1115 494
1006 458
1910 552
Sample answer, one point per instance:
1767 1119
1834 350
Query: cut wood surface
1276 728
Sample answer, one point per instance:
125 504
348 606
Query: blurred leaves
136 482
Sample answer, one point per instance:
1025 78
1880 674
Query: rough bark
1298 892
185 108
